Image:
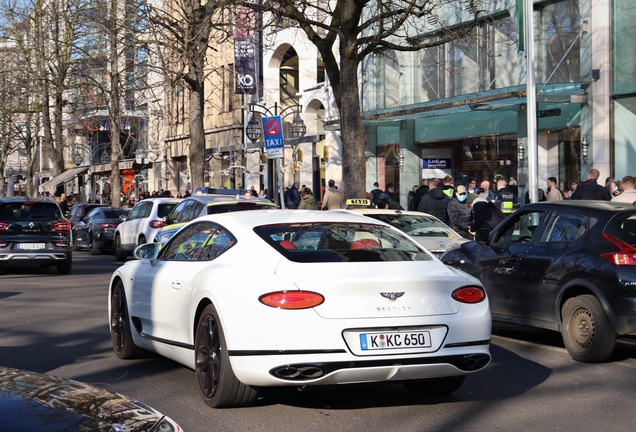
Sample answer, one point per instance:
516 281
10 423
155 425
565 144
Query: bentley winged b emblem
392 295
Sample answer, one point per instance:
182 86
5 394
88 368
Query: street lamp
253 131
77 158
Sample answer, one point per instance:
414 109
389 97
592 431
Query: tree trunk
197 135
114 108
354 168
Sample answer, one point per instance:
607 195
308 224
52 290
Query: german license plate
395 340
31 246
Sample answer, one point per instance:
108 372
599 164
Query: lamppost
144 157
254 129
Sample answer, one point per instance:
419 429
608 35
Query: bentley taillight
626 255
469 294
292 299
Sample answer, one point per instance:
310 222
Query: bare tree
354 29
184 33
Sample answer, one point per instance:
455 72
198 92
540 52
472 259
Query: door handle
176 285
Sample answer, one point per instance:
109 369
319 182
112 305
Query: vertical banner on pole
244 57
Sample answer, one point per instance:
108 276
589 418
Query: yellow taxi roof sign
358 202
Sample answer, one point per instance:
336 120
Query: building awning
67 175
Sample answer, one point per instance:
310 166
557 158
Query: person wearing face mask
460 212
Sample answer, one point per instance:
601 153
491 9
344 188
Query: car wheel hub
583 328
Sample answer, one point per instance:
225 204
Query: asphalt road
59 325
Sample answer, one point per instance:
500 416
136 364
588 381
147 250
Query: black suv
34 231
568 266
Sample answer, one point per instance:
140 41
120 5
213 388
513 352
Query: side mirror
147 251
481 236
123 216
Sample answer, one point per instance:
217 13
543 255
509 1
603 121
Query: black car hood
36 402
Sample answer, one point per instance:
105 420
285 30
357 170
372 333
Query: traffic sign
273 136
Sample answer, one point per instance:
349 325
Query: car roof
366 211
23 199
601 206
211 199
247 220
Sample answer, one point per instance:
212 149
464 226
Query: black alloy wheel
218 385
120 331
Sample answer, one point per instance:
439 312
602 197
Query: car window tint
623 227
564 227
416 225
340 242
164 210
241 206
146 208
188 212
199 241
520 227
29 210
136 212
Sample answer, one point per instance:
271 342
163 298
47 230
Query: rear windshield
416 225
165 209
241 206
340 242
623 227
29 210
114 214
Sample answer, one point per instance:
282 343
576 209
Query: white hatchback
299 298
143 221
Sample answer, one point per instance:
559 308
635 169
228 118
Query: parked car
142 222
568 266
299 298
34 232
80 210
429 231
32 402
205 204
97 231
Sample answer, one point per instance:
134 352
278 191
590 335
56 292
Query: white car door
162 286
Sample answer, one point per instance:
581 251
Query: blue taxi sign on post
273 136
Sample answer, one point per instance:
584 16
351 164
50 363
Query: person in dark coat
435 202
292 197
460 213
419 194
374 195
590 189
486 215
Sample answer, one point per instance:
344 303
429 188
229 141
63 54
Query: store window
558 43
623 46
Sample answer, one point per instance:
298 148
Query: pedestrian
590 189
306 199
505 199
374 195
421 191
573 186
411 199
435 201
389 193
292 196
628 185
460 212
554 194
332 200
486 192
612 188
472 187
447 186
63 203
486 215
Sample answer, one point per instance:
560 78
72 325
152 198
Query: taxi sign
273 136
358 202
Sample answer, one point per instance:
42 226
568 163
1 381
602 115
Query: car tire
76 247
142 240
65 266
92 247
587 333
120 329
120 254
218 385
435 386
